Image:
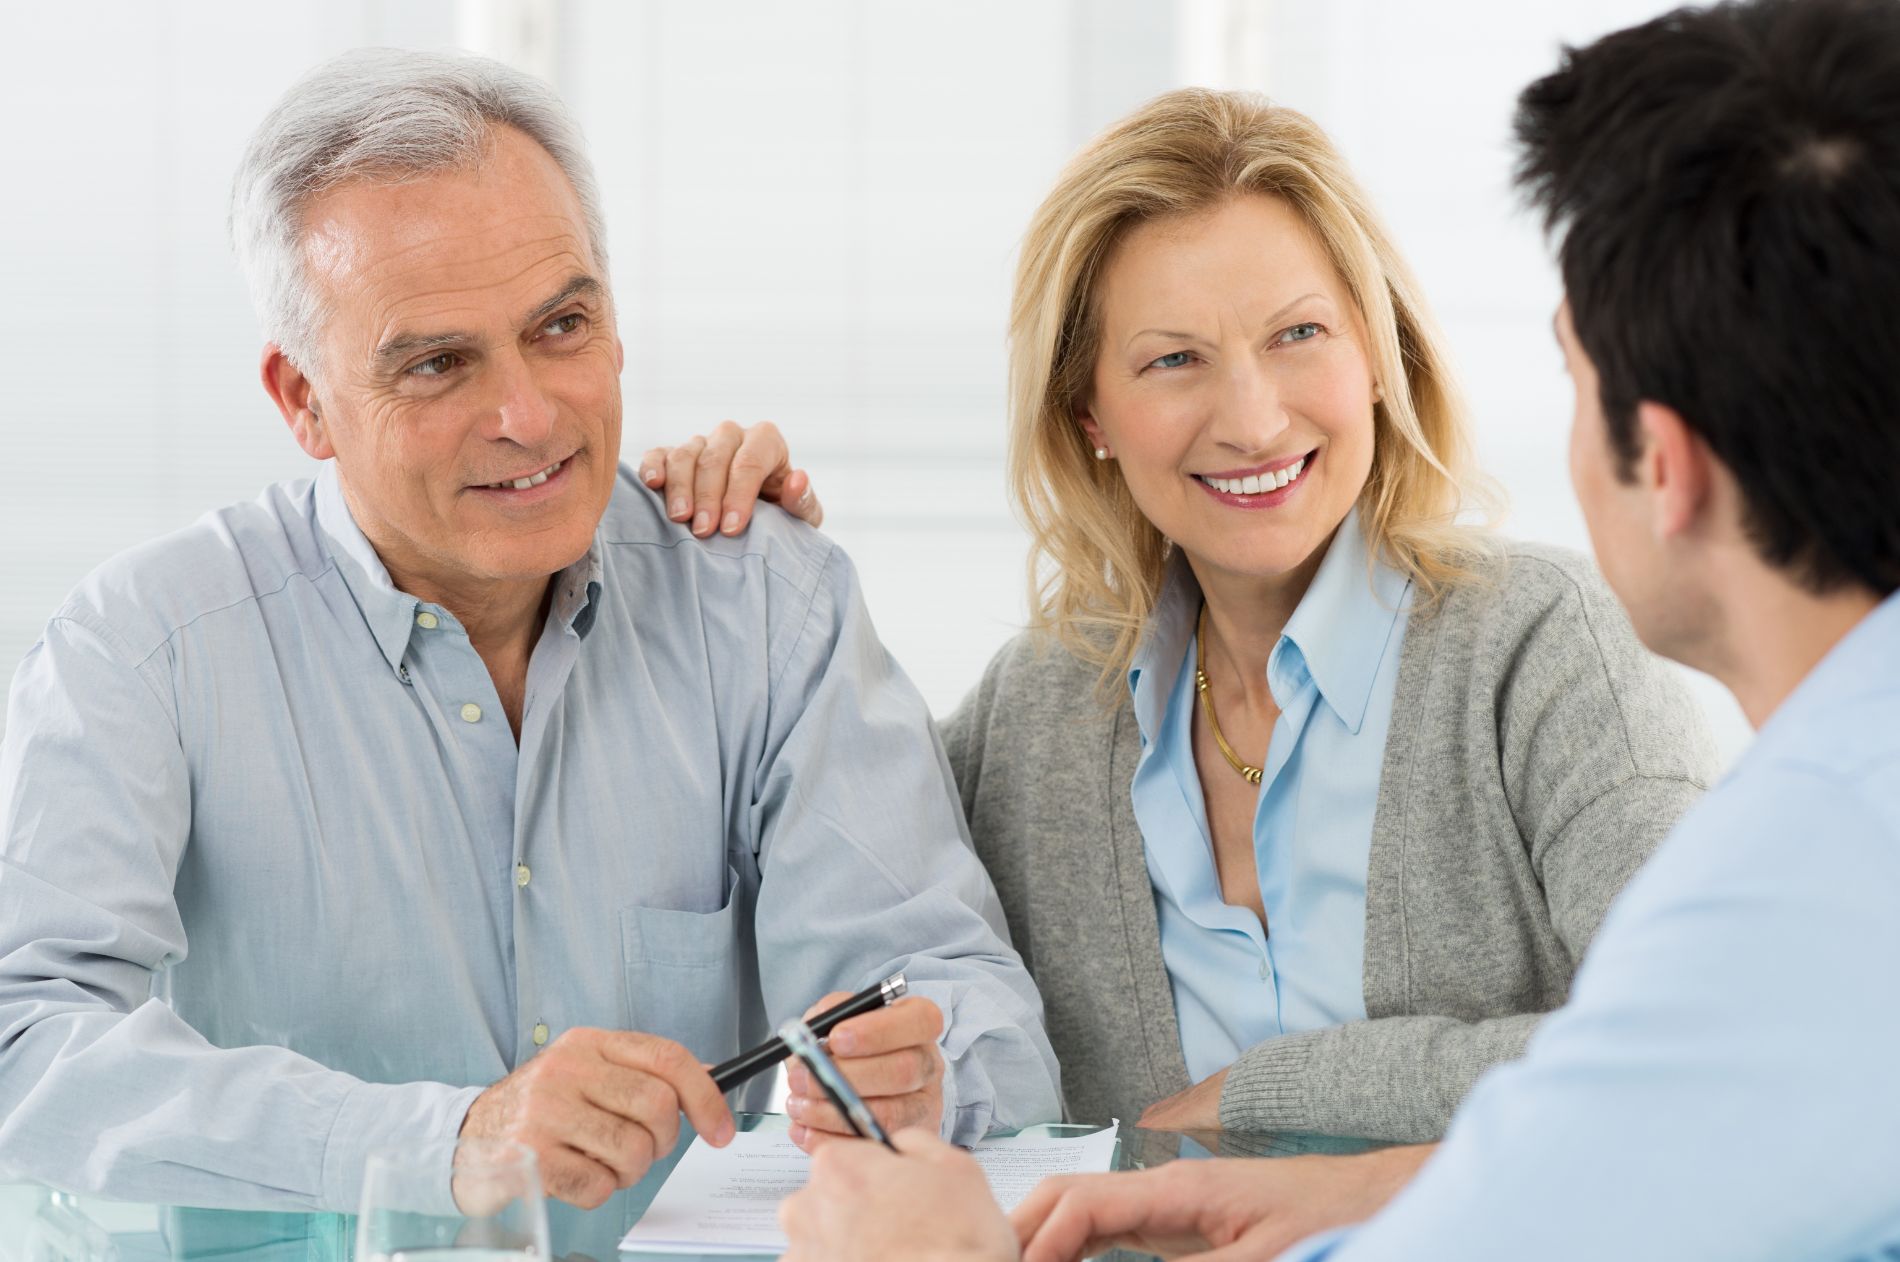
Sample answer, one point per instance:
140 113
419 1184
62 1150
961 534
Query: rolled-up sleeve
103 1088
866 866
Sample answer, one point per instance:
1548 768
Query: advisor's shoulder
636 524
1808 811
229 557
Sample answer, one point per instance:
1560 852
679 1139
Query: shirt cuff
374 1115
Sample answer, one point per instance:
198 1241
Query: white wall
813 209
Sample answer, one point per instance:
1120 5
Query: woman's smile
1266 486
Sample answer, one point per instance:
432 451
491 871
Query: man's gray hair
384 114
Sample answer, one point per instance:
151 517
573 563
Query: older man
448 794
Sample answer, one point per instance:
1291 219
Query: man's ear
296 397
1676 467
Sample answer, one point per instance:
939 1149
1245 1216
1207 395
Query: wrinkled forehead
474 243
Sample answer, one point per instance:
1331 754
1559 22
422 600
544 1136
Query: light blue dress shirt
277 886
1723 1082
1333 675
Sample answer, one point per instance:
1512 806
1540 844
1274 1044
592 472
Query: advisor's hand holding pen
865 1203
890 1056
599 1107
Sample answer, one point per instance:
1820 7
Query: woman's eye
564 324
1301 333
1175 359
434 366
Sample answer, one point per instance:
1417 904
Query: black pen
750 1064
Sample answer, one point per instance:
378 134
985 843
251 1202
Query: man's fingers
818 1115
893 1073
761 461
570 1175
640 1102
1032 1209
1071 1216
908 1069
831 1000
709 479
909 1022
682 462
1252 1245
918 1141
893 1113
691 1085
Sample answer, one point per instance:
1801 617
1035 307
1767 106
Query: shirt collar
1163 647
1344 622
390 613
1338 633
1863 662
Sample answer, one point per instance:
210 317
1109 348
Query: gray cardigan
1537 755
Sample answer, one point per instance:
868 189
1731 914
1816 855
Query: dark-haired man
1721 1084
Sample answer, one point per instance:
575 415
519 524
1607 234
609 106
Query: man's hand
599 1107
890 1056
865 1203
713 481
1218 1211
1195 1109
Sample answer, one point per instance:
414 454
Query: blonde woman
1303 799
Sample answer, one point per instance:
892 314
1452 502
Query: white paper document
725 1200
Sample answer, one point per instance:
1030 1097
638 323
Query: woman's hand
715 480
1215 1211
865 1203
1195 1109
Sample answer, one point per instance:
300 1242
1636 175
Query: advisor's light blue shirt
1725 1080
1333 675
277 886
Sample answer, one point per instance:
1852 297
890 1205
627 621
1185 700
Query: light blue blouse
1333 675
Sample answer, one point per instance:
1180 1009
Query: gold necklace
1251 774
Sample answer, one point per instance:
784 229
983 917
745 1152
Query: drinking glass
461 1200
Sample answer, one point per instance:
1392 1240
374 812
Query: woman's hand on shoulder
713 480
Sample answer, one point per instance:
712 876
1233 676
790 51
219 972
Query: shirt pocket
682 974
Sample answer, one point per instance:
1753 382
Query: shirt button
522 875
1264 970
426 620
540 1034
471 713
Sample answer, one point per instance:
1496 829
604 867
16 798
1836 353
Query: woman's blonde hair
1096 564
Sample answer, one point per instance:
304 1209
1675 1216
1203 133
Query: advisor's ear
296 397
1676 467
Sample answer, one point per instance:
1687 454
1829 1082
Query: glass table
40 1225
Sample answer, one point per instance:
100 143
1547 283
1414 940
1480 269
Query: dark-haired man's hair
1726 185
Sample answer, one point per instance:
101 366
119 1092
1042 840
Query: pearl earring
1101 453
